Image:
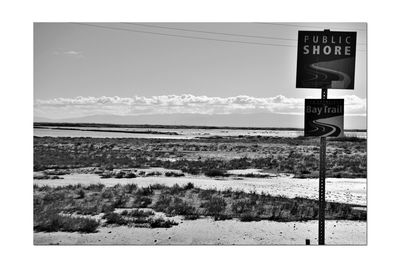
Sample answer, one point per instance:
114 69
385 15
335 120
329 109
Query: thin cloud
72 53
180 104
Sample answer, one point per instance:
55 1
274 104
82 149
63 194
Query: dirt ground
209 232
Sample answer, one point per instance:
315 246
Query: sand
206 231
231 232
342 190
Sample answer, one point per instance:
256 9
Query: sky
138 69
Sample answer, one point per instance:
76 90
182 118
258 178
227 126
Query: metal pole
322 158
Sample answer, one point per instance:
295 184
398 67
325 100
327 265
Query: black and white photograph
208 133
199 133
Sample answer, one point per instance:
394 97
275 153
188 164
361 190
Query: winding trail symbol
326 127
343 78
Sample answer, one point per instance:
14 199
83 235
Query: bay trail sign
324 117
326 59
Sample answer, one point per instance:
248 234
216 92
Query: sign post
325 60
322 164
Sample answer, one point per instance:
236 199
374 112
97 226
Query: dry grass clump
138 218
51 220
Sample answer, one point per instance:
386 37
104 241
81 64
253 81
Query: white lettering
316 49
338 50
347 50
306 51
327 50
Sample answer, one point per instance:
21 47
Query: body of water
182 133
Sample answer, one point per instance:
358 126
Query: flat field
197 191
346 157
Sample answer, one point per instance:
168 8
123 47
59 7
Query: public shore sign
326 59
323 117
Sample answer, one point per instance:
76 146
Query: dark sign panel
326 59
323 117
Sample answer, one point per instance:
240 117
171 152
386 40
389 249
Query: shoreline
105 131
67 124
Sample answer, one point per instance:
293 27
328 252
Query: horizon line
95 124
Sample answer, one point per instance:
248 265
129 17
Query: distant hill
231 120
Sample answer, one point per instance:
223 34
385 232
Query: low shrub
174 174
216 173
188 186
95 187
215 206
53 221
161 223
81 194
130 175
207 194
180 207
157 186
115 218
142 201
241 206
191 217
145 191
163 203
249 217
137 213
153 173
176 190
130 188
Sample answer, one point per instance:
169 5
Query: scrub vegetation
77 208
212 156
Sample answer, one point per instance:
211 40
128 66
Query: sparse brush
145 191
155 173
206 194
215 206
249 217
157 186
130 175
137 213
161 223
130 188
175 190
187 201
242 206
189 186
174 174
52 221
115 218
95 187
81 194
191 217
163 203
142 201
216 173
180 207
